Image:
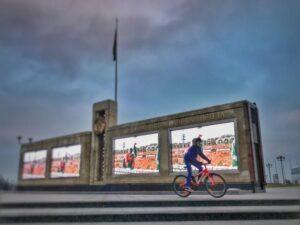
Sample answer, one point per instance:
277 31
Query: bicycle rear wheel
179 186
215 185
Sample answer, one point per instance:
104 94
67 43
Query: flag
115 44
115 59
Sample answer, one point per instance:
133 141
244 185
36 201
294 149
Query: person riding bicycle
190 158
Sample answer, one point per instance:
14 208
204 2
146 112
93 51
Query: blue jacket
192 153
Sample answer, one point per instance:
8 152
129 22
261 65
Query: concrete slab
15 197
147 210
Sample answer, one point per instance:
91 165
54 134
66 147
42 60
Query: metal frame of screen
65 176
234 120
130 136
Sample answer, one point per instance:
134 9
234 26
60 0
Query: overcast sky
174 56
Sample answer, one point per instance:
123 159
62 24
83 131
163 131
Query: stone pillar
104 116
164 151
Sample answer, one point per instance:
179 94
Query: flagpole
116 64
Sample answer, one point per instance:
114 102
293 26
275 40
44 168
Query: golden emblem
99 125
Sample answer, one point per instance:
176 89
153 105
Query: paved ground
146 210
32 197
6 197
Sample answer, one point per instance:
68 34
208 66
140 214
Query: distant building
296 175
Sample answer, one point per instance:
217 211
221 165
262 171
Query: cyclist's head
197 142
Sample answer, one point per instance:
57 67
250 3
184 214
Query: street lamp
183 139
123 147
281 158
19 138
269 165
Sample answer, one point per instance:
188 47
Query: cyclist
190 158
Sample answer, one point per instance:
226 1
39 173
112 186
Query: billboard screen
219 145
136 155
34 164
66 161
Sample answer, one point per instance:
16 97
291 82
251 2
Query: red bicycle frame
201 175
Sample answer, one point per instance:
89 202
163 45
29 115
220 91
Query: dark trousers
189 162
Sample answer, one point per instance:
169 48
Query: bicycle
215 184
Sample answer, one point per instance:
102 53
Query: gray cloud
174 56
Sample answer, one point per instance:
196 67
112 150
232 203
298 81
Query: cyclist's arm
204 156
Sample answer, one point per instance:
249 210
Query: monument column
104 116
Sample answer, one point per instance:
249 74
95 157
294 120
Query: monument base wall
122 187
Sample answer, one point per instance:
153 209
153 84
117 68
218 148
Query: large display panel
136 155
66 161
34 164
219 145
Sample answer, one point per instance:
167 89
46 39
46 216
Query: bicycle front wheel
179 186
215 185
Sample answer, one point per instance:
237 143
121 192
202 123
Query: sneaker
188 189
